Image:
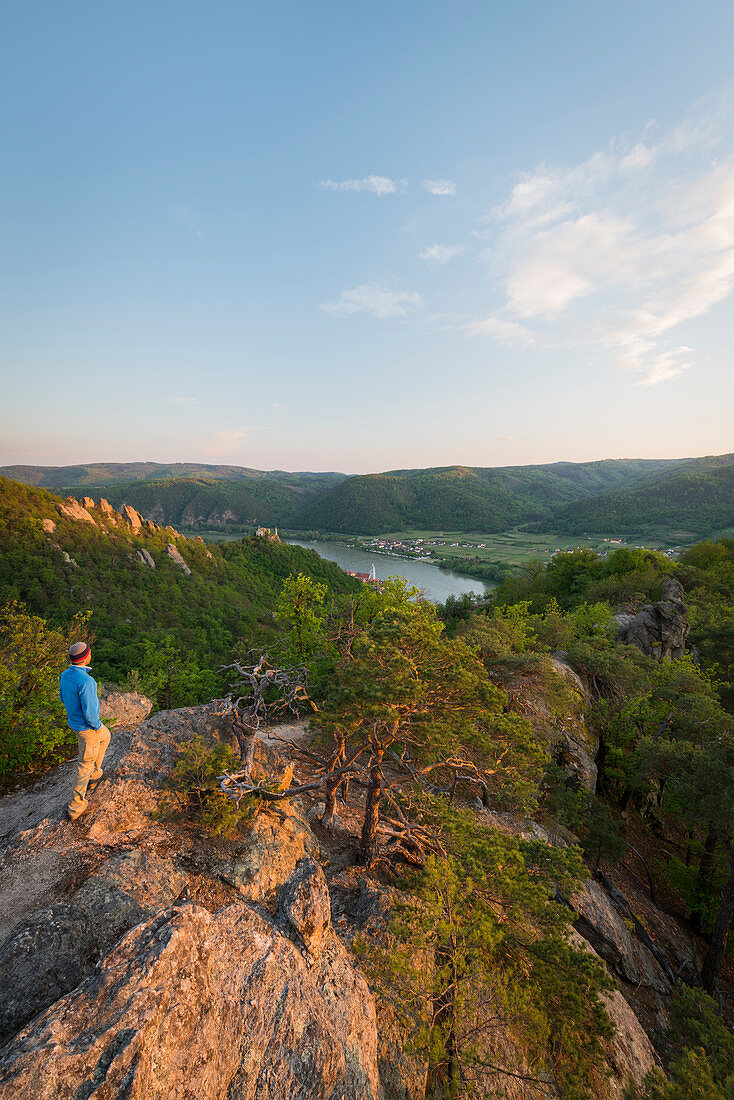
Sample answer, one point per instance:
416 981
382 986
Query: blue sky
361 237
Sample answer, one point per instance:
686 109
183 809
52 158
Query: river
437 584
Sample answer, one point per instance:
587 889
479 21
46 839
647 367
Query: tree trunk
332 783
443 1078
702 889
368 846
245 735
712 962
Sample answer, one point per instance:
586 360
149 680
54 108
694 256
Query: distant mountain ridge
608 496
102 474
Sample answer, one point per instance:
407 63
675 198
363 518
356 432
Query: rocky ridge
140 958
105 518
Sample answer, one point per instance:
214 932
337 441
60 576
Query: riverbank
437 584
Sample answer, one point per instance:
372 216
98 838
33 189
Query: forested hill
695 500
465 498
207 504
188 495
613 496
154 597
104 474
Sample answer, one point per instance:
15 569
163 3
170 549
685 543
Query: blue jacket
78 693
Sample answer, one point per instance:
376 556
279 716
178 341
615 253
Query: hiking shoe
80 814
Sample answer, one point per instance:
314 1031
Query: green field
512 547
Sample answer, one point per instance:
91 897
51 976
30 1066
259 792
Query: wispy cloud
183 213
504 332
441 253
224 442
378 185
440 187
182 401
616 252
373 298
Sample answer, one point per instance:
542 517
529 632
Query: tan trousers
92 747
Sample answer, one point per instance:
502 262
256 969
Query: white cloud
616 252
440 253
378 185
372 298
440 187
504 332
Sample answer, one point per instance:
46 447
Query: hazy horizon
354 473
331 238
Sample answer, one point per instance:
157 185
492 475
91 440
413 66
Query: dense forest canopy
135 611
616 496
696 501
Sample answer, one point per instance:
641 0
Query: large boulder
305 905
197 1005
277 841
177 559
660 630
145 558
125 708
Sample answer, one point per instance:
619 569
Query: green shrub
192 790
33 727
704 1068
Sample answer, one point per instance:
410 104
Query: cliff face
140 958
660 630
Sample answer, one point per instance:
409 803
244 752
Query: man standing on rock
78 692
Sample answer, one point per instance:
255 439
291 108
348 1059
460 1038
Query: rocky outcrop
143 959
64 555
153 975
72 509
145 558
276 844
176 558
126 708
132 518
563 727
575 745
629 1052
109 512
660 630
605 928
107 517
200 1005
